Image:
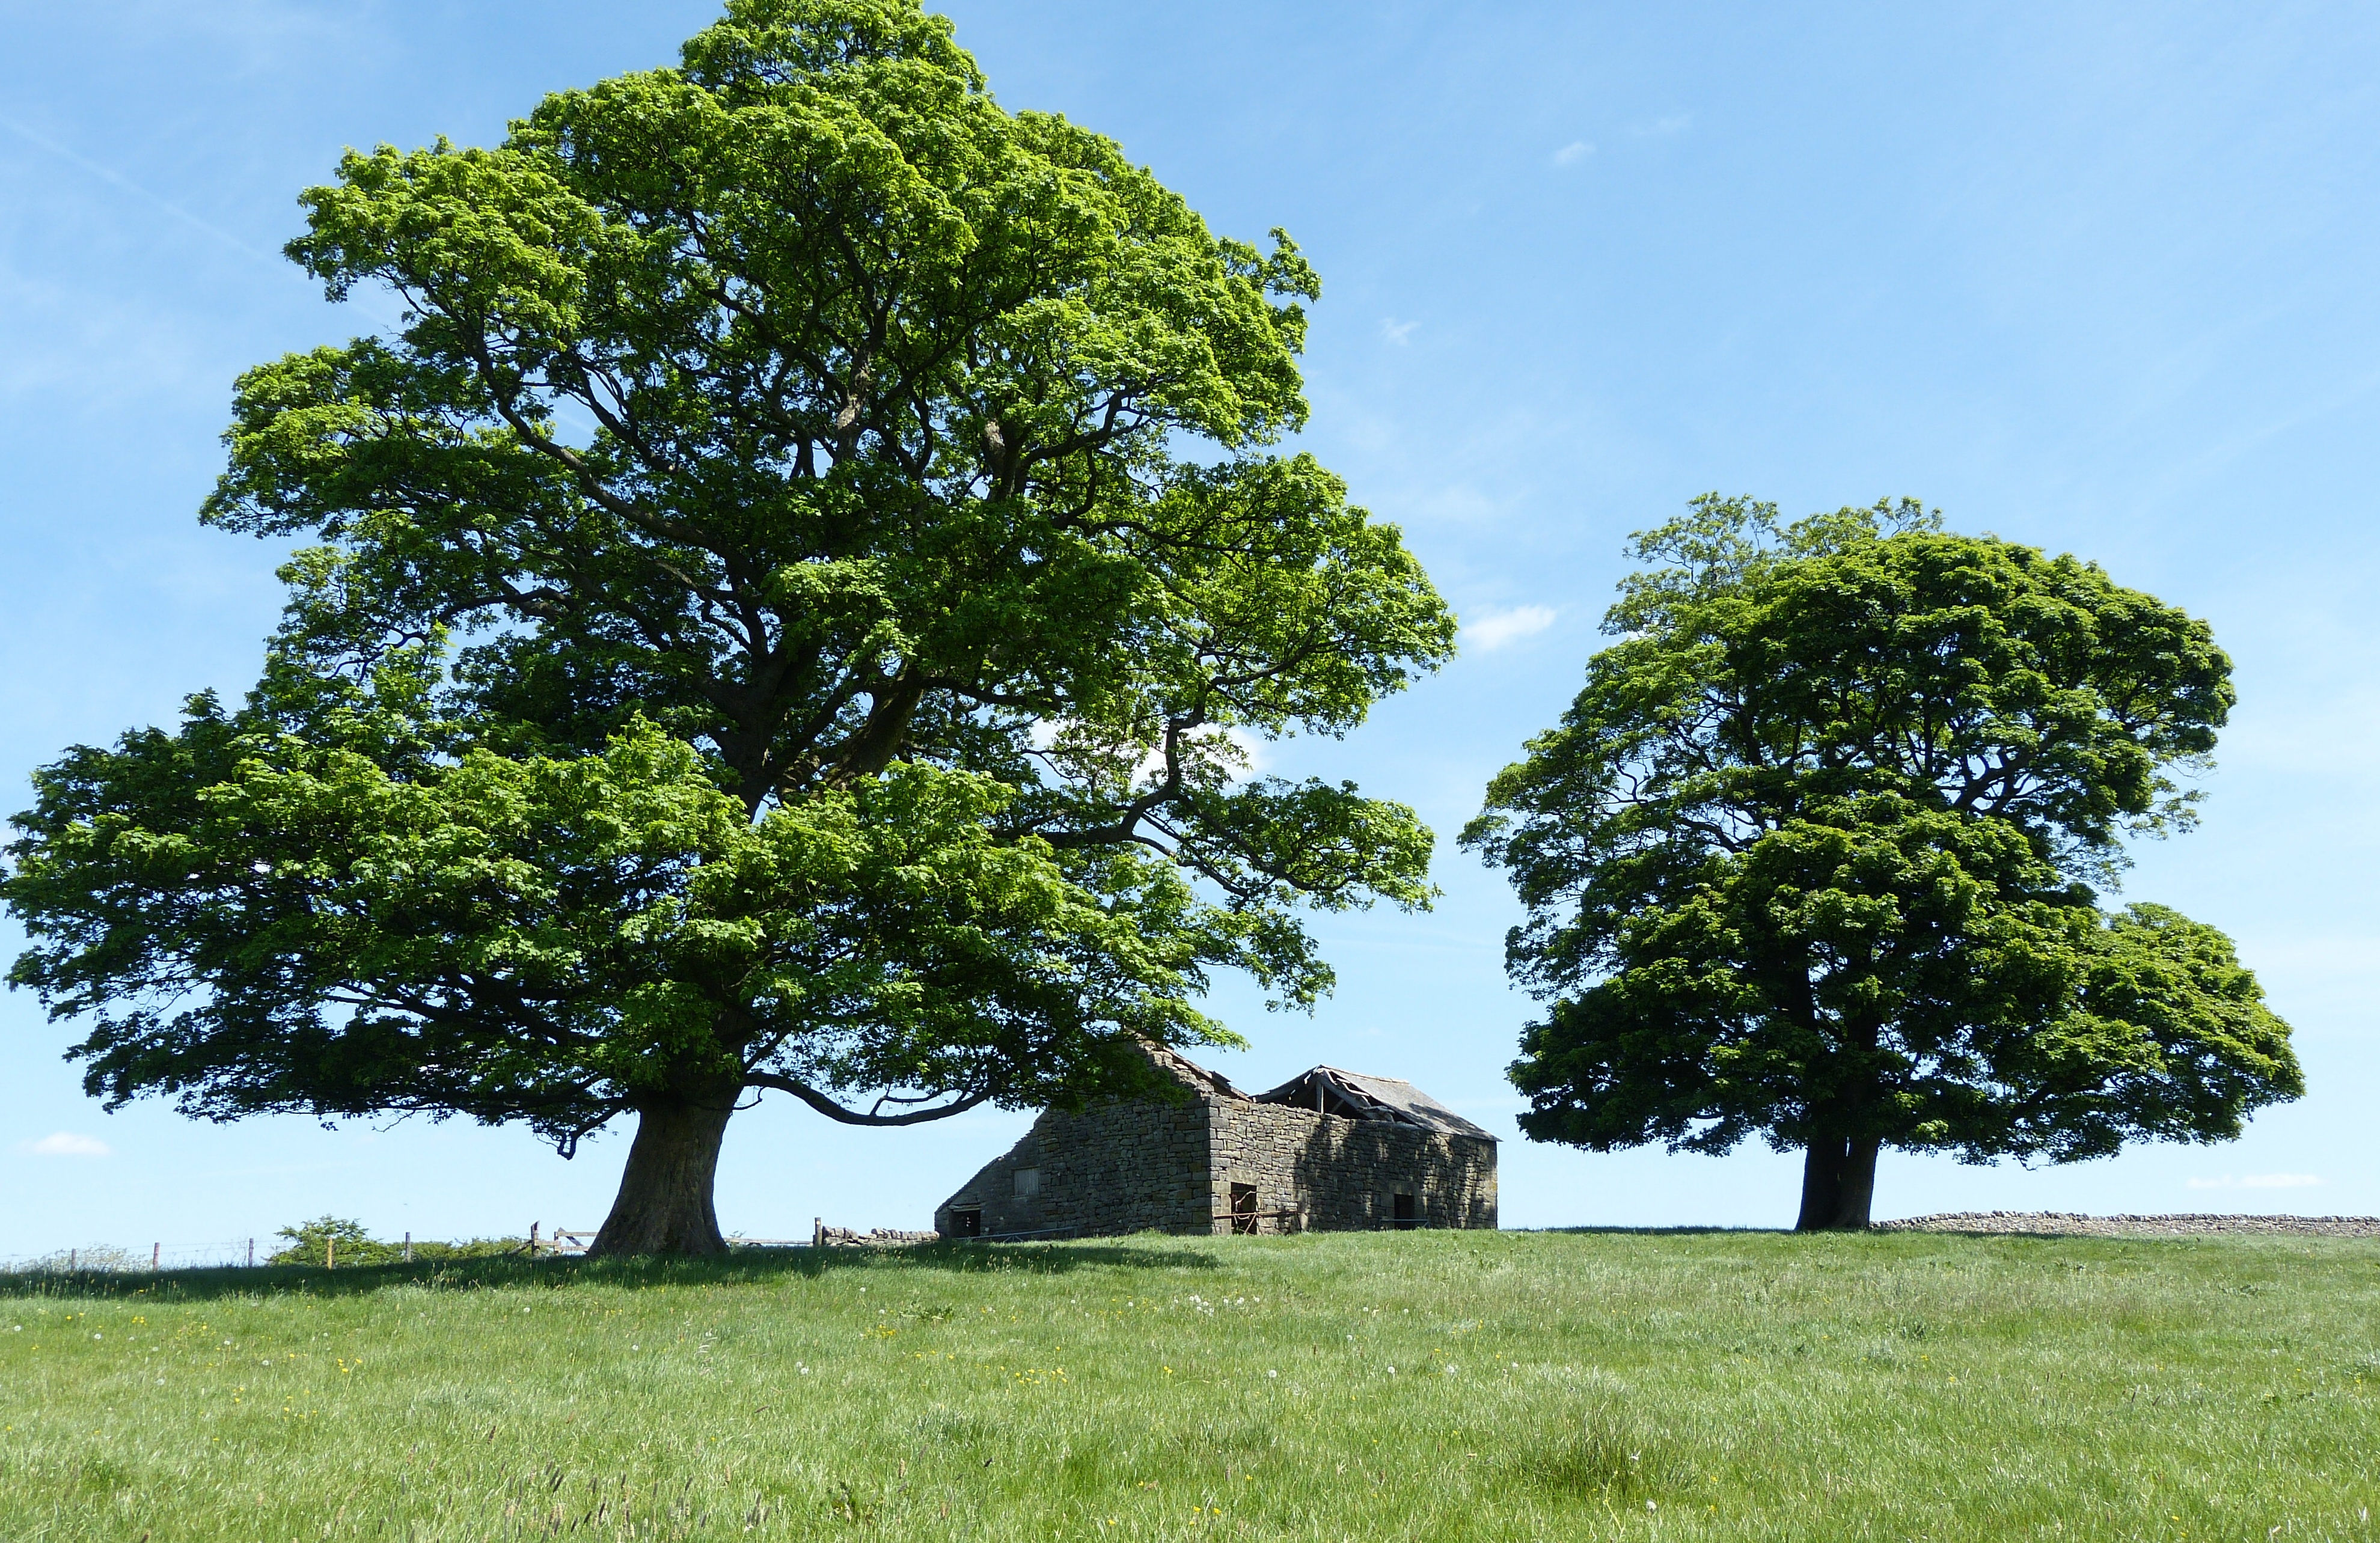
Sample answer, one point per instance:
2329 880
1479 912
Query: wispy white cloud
1395 331
1258 750
1499 628
2259 1181
1240 752
1573 153
255 37
1454 503
1661 127
65 1144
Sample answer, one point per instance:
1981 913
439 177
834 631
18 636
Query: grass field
1414 1385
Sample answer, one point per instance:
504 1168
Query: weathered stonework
1218 1160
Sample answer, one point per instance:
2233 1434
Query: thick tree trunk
1837 1185
664 1202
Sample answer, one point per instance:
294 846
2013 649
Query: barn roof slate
1369 1098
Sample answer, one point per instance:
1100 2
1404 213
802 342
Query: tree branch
834 1110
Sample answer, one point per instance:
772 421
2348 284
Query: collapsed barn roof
1353 1095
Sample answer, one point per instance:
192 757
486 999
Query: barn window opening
1401 1210
1029 1182
966 1223
1244 1208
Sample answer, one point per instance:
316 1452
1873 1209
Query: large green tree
1815 855
789 609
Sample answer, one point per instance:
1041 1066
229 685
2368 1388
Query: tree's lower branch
834 1110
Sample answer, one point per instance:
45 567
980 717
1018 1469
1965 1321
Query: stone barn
1329 1150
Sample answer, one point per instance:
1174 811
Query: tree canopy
1815 855
787 610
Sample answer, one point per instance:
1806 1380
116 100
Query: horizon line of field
240 1253
573 1242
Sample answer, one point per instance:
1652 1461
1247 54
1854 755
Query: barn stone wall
1125 1167
1137 1166
1345 1174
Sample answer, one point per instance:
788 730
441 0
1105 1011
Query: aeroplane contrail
117 179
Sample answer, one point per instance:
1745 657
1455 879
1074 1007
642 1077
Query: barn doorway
1244 1208
1402 1211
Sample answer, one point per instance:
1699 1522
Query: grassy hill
1417 1385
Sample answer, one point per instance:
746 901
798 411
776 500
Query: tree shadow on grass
1672 1232
741 1267
1886 1234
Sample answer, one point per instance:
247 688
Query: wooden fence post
532 1240
251 1252
329 1253
409 1248
155 1249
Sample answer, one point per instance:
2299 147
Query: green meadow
1414 1385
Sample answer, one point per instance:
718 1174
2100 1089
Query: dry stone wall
2184 1225
824 1237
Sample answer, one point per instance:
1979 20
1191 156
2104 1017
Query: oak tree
1816 854
788 611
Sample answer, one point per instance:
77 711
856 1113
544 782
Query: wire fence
248 1253
112 1259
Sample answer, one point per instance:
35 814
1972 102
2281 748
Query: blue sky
2097 277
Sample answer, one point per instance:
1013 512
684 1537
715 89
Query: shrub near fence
325 1242
333 1241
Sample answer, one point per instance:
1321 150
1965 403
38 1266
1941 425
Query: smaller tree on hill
1815 856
